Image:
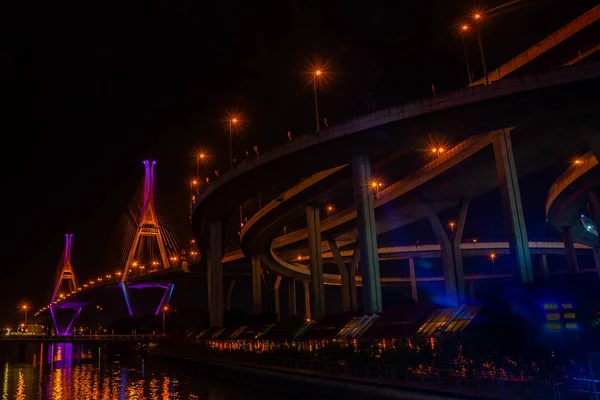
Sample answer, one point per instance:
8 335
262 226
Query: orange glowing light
492 256
577 162
465 27
234 120
477 16
318 72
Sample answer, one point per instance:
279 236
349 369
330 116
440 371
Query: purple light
68 331
58 332
166 296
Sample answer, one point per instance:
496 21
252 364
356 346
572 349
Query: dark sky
88 89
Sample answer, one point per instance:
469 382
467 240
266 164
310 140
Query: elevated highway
530 110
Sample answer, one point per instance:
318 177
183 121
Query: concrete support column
276 285
230 293
292 297
511 199
595 208
570 250
347 277
316 263
413 279
307 314
367 235
446 255
596 251
544 265
456 250
256 285
215 272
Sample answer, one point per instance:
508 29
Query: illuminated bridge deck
79 338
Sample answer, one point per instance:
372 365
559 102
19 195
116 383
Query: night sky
89 89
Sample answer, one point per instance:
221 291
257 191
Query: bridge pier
256 285
570 250
544 265
292 297
347 275
276 285
457 251
413 279
367 235
446 255
317 304
215 272
306 300
511 201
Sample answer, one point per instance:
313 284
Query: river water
65 371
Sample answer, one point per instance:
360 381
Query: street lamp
493 257
329 210
478 18
201 156
25 307
317 74
452 225
232 122
165 309
463 31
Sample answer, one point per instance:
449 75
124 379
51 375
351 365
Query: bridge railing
459 379
86 338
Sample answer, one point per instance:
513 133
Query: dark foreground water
73 371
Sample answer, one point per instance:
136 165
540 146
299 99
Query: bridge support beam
511 199
292 297
307 314
570 250
413 280
256 285
230 289
317 304
446 255
456 250
215 272
544 265
347 275
276 286
367 235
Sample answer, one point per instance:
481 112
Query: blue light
126 298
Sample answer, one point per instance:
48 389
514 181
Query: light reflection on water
71 372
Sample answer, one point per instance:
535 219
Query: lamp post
25 307
232 122
165 309
463 31
452 225
478 18
316 75
199 156
493 257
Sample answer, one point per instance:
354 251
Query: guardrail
465 381
81 338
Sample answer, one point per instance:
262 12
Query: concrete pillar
413 279
511 199
595 208
215 273
352 277
317 285
344 276
230 293
596 251
292 297
276 285
570 250
367 235
256 285
446 255
307 314
544 265
457 251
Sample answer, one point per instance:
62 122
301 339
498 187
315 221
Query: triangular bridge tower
66 285
153 248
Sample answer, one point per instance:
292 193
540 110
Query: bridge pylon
66 285
153 248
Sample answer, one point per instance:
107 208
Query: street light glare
234 120
477 16
318 72
465 27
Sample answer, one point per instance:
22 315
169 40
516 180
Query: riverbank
339 381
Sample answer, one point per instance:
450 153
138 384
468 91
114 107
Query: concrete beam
446 254
256 285
413 279
215 272
457 251
511 201
540 48
292 297
317 304
307 314
367 235
276 285
570 250
582 56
